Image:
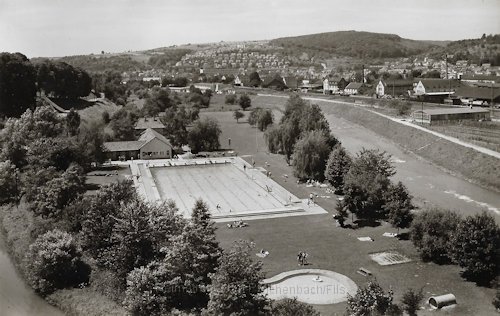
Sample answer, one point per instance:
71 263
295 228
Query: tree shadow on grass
360 223
404 236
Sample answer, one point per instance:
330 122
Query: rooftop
354 85
123 146
453 111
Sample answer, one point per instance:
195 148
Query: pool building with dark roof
150 145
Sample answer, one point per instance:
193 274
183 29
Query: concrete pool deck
231 187
312 286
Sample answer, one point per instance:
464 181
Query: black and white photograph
249 158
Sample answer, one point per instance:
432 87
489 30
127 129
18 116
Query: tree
131 237
166 223
236 287
90 142
253 117
61 80
366 184
98 221
337 167
398 206
204 136
273 139
312 118
17 84
245 101
56 194
72 122
310 155
288 306
9 190
122 124
341 212
369 300
290 133
265 119
157 101
181 278
411 301
176 121
476 247
237 115
58 152
431 232
54 261
193 256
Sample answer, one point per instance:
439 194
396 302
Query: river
428 183
16 298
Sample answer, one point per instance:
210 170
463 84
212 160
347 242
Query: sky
50 28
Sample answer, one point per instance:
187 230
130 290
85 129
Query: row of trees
304 133
473 243
20 79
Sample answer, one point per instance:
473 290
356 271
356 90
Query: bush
411 301
369 300
54 262
476 248
431 232
290 306
245 102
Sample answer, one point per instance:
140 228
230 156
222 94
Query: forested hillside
355 44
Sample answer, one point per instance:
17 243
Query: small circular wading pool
312 286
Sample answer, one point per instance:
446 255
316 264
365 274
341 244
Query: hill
355 44
478 51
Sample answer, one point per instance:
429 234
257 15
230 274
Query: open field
337 249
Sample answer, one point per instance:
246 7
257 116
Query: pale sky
70 27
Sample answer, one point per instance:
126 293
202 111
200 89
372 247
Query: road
428 183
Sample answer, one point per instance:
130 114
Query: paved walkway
404 122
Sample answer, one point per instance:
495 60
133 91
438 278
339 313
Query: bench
364 272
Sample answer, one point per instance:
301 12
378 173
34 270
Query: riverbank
469 164
17 298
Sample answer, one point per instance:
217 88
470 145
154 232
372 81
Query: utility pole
491 101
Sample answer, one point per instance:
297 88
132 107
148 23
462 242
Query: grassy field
485 134
94 113
334 248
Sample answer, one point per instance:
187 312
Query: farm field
485 134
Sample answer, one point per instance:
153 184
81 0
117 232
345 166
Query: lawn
333 248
